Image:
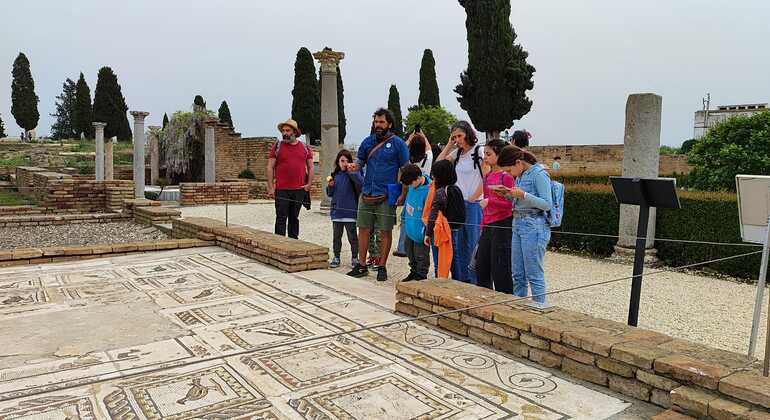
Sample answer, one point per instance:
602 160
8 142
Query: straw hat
291 123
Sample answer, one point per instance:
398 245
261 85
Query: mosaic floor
206 334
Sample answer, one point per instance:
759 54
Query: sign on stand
754 218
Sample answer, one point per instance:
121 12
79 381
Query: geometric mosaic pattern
223 337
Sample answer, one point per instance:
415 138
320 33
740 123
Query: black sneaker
410 277
359 271
382 274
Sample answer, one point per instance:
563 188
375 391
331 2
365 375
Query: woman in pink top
493 255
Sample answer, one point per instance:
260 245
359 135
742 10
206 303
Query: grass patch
16 161
11 198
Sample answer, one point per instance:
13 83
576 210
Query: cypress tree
84 113
342 121
493 89
199 103
306 96
2 128
394 105
428 84
63 128
165 120
224 114
23 98
110 106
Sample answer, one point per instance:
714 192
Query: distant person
382 155
23 137
556 165
521 139
289 169
417 251
344 187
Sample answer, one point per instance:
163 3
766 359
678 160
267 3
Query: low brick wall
693 379
290 255
200 193
130 205
59 191
16 257
64 219
153 215
25 179
20 210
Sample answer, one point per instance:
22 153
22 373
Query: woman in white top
468 158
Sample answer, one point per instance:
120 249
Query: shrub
247 174
434 122
151 195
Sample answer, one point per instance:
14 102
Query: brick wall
601 159
199 193
25 181
62 192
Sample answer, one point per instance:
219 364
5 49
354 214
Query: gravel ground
685 305
76 234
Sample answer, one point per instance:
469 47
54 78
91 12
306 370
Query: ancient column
108 159
641 159
99 159
139 142
210 168
330 137
154 154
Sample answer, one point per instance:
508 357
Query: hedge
682 180
711 217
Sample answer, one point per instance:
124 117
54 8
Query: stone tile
747 387
660 398
721 409
688 369
630 387
693 401
656 381
574 354
618 368
585 372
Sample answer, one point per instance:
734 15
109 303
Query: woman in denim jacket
531 200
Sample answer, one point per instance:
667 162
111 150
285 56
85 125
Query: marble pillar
108 159
139 143
641 159
154 154
330 136
99 158
210 151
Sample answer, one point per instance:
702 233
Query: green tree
23 98
306 96
198 101
341 119
394 105
434 122
63 128
740 145
83 114
2 128
687 146
493 89
428 84
224 114
668 150
165 120
110 106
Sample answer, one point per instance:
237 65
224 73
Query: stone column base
326 205
626 256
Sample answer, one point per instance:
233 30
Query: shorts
376 216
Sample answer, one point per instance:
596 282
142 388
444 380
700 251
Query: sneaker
382 274
373 262
354 262
335 262
359 271
410 277
399 254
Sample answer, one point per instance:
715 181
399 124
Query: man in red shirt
291 167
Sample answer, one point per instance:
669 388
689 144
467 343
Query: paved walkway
202 333
698 308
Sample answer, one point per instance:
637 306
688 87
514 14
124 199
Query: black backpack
455 207
478 160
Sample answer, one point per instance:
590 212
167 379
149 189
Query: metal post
227 203
760 294
636 282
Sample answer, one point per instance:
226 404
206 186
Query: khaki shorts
376 216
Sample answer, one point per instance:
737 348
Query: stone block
453 325
629 387
585 372
535 342
6 255
501 330
594 340
618 368
758 415
128 247
660 398
747 387
516 318
721 409
637 354
656 381
477 334
692 401
472 321
692 370
423 305
545 358
53 251
574 354
101 249
406 309
514 347
671 415
440 309
550 330
26 253
406 299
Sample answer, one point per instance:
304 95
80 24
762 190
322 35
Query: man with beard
381 155
291 167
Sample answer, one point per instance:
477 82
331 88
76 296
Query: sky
589 56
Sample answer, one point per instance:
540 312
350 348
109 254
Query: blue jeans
529 239
463 246
401 249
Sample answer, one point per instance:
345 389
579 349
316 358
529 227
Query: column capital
211 121
99 124
139 115
154 129
329 59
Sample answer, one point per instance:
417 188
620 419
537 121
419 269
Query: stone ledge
641 364
63 219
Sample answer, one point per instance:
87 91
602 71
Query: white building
707 119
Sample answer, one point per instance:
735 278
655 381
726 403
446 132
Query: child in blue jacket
416 250
344 188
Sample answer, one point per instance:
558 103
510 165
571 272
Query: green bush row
682 180
709 217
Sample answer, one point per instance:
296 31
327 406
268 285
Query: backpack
556 213
477 160
455 207
278 148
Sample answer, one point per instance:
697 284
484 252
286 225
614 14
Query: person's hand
353 167
426 241
409 139
401 199
307 187
271 191
517 193
484 203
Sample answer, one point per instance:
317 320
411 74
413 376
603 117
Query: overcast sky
589 56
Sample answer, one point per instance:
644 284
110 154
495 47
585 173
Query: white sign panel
753 206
